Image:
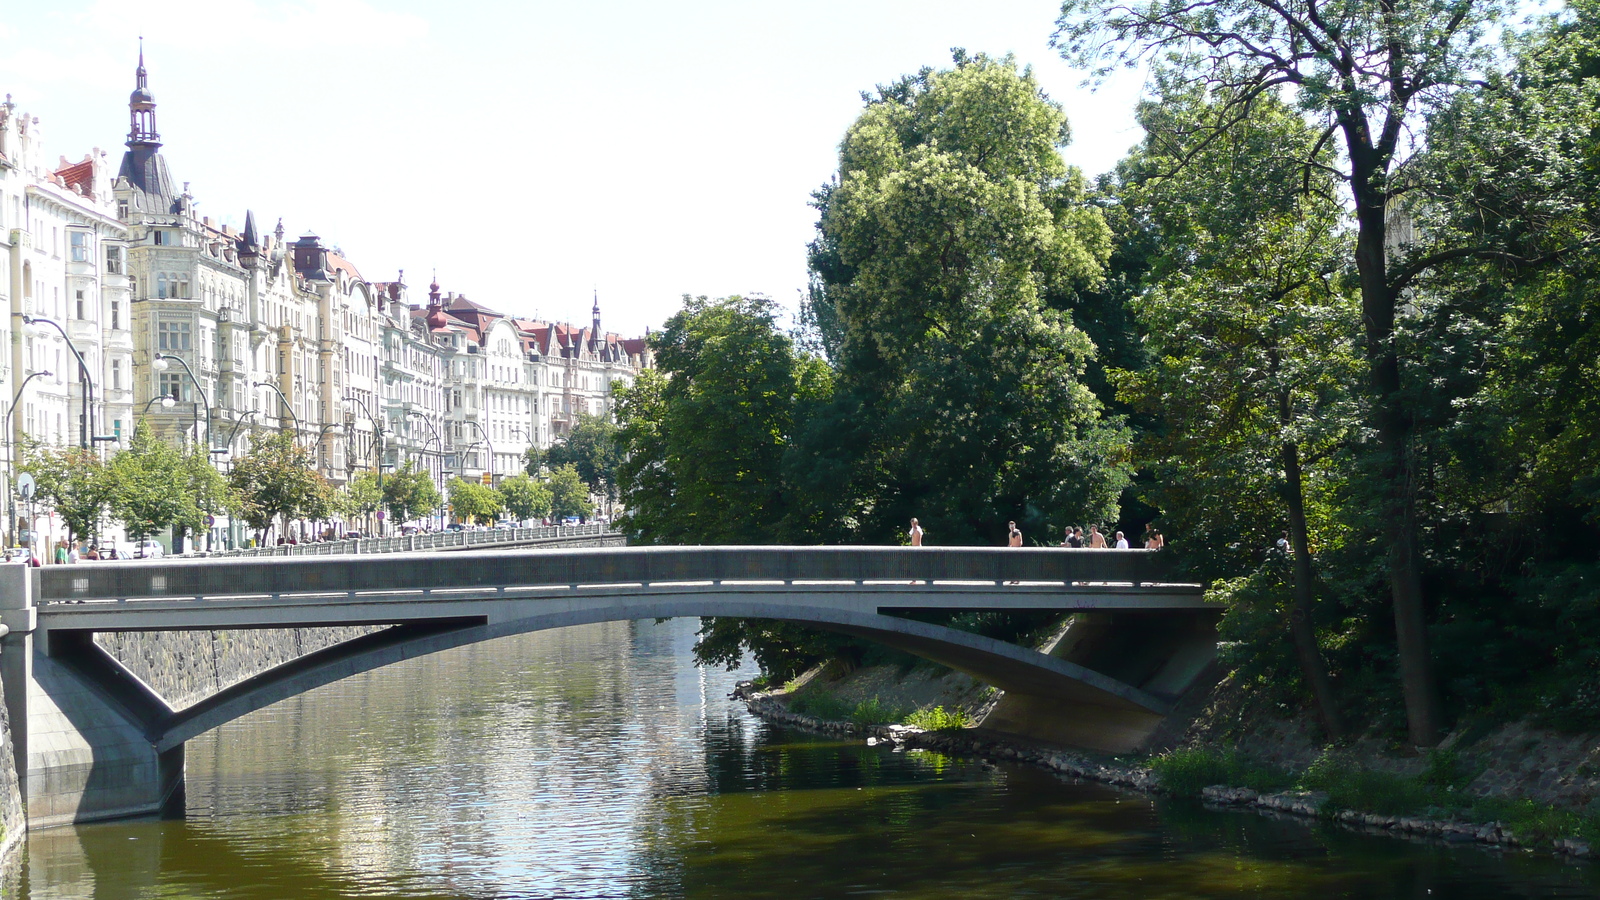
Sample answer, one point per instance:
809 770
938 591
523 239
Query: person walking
1014 539
1156 540
1074 539
61 554
1097 541
1122 542
915 533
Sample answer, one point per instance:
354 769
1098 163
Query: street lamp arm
204 400
87 422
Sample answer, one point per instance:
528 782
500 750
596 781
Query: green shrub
937 718
873 712
820 704
1350 787
1186 772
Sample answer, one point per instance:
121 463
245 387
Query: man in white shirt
1122 542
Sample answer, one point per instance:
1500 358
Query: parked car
352 535
149 548
570 520
408 529
456 526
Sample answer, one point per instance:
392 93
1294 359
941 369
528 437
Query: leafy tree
205 491
471 501
409 492
1250 327
276 480
569 495
525 498
704 435
590 447
532 459
73 482
150 490
958 394
359 497
1366 73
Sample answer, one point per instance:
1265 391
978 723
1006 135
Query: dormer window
158 237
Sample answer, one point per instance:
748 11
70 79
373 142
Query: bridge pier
79 754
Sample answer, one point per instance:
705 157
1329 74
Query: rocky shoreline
1304 804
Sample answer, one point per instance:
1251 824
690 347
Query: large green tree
474 502
569 494
958 388
409 492
704 436
1250 328
1366 74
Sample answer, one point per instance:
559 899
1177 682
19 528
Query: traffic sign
488 478
25 485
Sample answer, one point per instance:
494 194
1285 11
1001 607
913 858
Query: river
598 761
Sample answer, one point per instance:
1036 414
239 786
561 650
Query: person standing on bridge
915 533
1122 542
1074 538
1097 541
1015 538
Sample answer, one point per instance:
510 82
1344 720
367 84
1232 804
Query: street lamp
488 443
85 416
286 405
165 401
161 365
11 449
379 444
415 414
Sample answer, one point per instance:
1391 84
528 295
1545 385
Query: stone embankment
997 748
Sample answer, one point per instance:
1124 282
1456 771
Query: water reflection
599 762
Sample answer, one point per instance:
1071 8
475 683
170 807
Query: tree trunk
1379 300
1313 668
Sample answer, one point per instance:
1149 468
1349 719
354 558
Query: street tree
569 495
474 502
150 490
275 482
359 497
72 481
409 492
525 498
590 447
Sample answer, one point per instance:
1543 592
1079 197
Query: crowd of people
1075 538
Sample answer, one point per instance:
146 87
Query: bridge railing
433 540
439 577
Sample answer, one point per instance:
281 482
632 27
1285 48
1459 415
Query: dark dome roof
141 95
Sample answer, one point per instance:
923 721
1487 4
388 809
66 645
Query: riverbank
1508 786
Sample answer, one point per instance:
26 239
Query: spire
142 108
596 335
249 245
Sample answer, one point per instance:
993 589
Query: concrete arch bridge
93 740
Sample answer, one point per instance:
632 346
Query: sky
532 153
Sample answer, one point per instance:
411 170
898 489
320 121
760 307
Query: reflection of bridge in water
92 740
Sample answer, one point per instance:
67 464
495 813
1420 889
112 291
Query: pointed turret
143 164
249 246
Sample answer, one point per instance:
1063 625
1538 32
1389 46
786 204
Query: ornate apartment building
218 335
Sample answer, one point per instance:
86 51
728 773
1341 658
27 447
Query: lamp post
439 438
161 365
488 443
377 427
11 451
286 405
234 435
86 415
165 401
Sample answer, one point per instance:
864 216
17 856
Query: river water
599 762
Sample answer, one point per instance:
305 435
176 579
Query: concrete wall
187 666
12 824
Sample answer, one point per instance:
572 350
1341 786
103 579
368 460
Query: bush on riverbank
937 718
1437 793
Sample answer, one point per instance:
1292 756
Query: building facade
220 336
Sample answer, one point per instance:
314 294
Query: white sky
530 151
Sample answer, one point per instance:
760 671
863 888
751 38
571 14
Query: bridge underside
104 744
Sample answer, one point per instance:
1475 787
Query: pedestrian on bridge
915 533
1122 542
1015 538
1074 538
1097 541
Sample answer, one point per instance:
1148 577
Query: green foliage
937 718
474 502
822 705
409 492
525 498
359 496
569 495
1187 771
277 479
149 477
591 448
73 482
875 712
957 390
